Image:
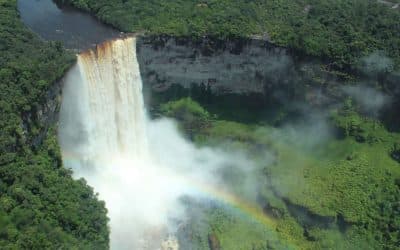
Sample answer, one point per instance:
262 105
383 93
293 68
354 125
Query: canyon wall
240 67
233 66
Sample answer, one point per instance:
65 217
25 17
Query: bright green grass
339 177
242 233
235 229
353 185
343 170
328 187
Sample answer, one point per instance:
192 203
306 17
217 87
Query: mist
141 168
369 100
145 169
376 63
143 196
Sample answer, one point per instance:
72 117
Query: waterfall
141 168
116 108
103 138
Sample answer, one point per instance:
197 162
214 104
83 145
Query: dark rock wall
45 116
226 66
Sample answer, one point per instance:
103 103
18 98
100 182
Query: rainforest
210 125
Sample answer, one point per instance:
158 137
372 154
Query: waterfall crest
116 108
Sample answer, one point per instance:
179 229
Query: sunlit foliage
41 206
340 30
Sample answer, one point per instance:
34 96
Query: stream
75 29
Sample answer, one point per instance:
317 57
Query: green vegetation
342 31
191 115
41 206
230 229
338 192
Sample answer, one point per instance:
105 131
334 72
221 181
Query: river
75 29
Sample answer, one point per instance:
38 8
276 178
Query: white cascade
116 108
103 138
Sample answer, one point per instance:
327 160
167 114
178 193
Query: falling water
114 88
104 139
140 167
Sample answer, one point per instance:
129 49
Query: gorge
142 168
206 142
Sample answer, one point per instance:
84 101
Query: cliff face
238 66
44 116
224 67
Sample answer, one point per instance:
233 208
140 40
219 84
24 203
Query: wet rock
213 242
171 243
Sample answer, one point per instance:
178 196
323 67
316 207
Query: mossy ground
339 191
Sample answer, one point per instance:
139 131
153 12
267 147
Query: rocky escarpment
226 66
270 73
223 67
36 123
233 67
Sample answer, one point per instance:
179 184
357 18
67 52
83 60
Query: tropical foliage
342 192
341 30
326 191
41 206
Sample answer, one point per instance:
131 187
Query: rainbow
117 127
232 200
207 190
247 209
